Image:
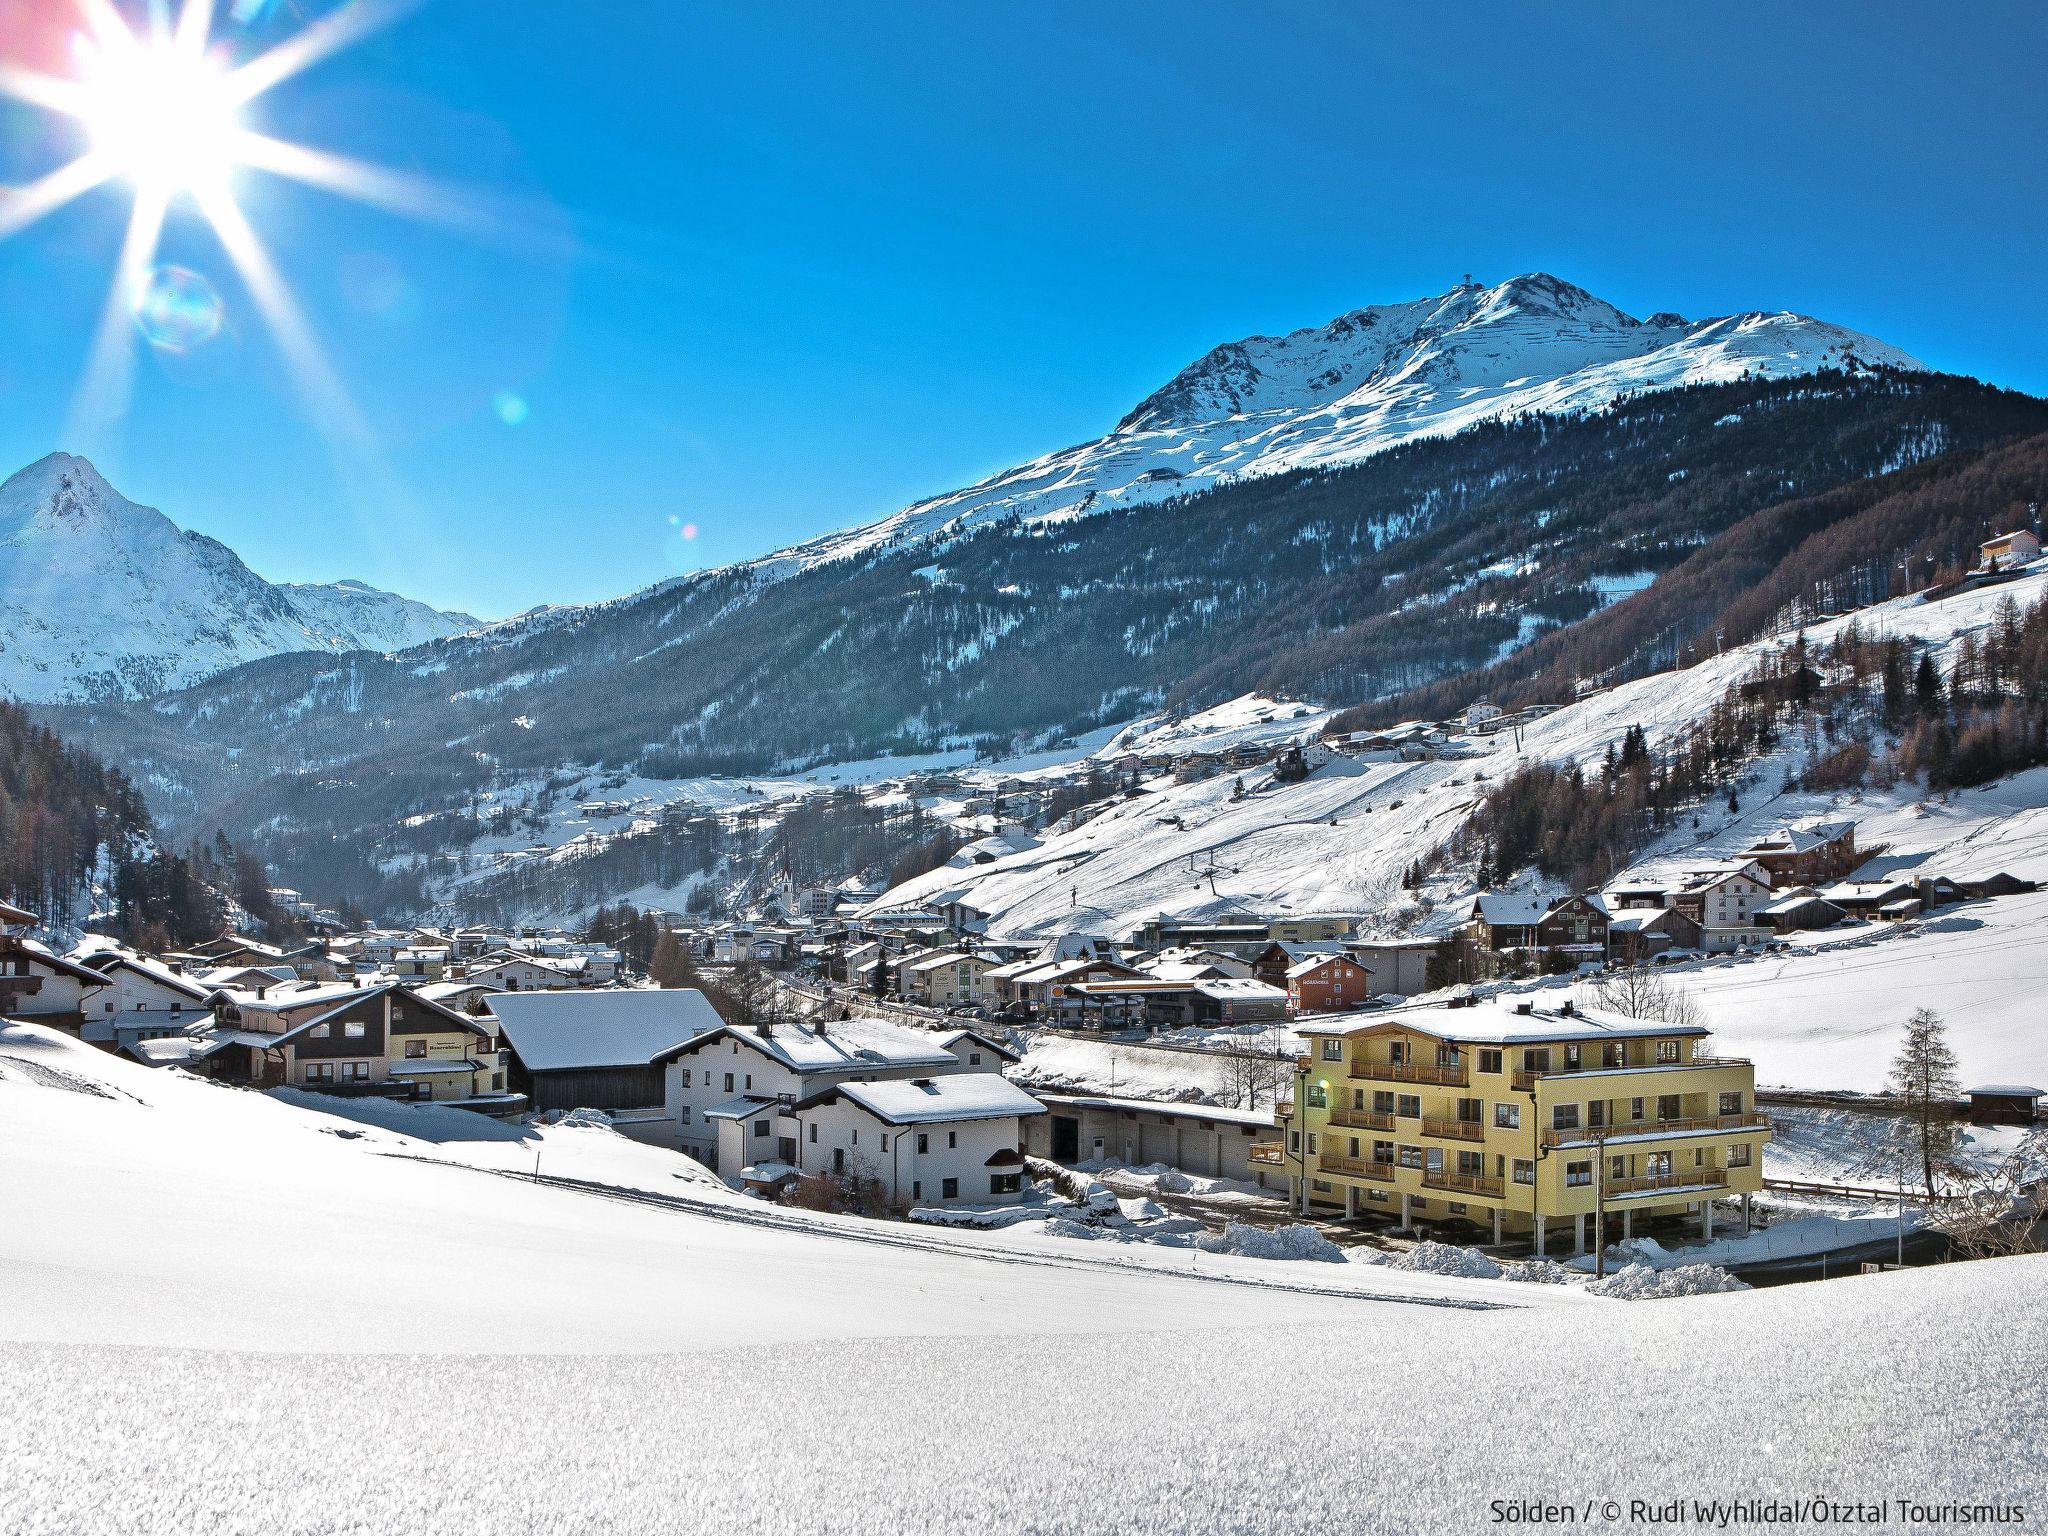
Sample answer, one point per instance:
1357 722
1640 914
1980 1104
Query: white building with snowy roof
924 1140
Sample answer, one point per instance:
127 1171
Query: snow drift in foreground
499 1350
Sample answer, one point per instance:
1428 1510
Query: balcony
1457 1130
1272 1154
1692 1178
1462 1183
1356 1167
1525 1081
1362 1119
1410 1072
1708 1124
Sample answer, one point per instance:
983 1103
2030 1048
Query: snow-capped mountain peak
1370 380
106 598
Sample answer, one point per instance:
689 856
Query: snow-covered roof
104 957
951 1038
1802 837
1501 1021
923 1100
557 1031
740 1107
1311 963
2009 1091
1243 988
851 1045
1509 911
1217 1112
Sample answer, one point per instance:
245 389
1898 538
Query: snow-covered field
206 1287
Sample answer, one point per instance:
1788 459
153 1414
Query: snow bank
1444 1259
1294 1242
1639 1282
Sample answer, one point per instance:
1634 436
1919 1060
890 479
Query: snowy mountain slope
1369 380
107 599
155 1382
366 618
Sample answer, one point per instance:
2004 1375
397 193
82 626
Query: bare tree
1994 1213
1923 1077
1248 1075
1641 992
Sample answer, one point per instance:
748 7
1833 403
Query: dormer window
1667 1051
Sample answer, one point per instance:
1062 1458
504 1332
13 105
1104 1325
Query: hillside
111 600
158 1381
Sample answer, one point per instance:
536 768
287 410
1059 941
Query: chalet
1810 853
1637 934
382 1040
977 1052
145 999
38 983
601 1050
1799 908
1864 898
1272 963
1194 965
947 979
1996 883
1327 984
420 962
2008 550
1724 900
1572 925
1202 1139
510 972
925 1140
724 1090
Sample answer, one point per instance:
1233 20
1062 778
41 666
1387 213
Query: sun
162 104
166 120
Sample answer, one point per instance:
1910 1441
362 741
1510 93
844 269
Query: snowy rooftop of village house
851 1043
553 1031
924 1100
1503 1020
1218 1112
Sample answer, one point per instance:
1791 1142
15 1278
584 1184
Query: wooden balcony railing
1463 1183
1362 1119
1690 1178
1461 1130
1709 1123
1270 1153
1357 1167
1410 1072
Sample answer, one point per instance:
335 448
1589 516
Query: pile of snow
1639 1282
1292 1242
591 1118
1443 1259
1540 1272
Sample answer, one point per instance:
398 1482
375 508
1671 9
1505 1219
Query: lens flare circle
177 309
510 408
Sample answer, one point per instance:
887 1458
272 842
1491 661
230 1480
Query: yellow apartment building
1518 1118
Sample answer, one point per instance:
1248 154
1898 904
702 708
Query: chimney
1525 1008
1568 1008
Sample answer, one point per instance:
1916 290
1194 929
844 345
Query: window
1571 1058
1635 1109
1471 1111
1617 1167
1383 1151
924 1143
1738 1155
415 1050
355 1071
1410 1157
974 1058
319 1072
1578 1174
949 1189
952 1138
1524 1170
728 1082
1614 1054
1410 1106
1596 1112
1447 1056
1294 1142
1565 1117
497 1082
1004 1183
1667 1051
1508 1116
1333 1049
1536 1059
749 1083
1472 1164
917 1189
320 1031
1318 1096
1433 1160
683 1115
353 1029
1731 1103
814 1133
1669 1106
856 1136
761 1127
1383 1102
686 1077
1312 1141
1489 1060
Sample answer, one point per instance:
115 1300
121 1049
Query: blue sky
780 269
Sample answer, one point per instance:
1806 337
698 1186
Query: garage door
1198 1152
1156 1144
